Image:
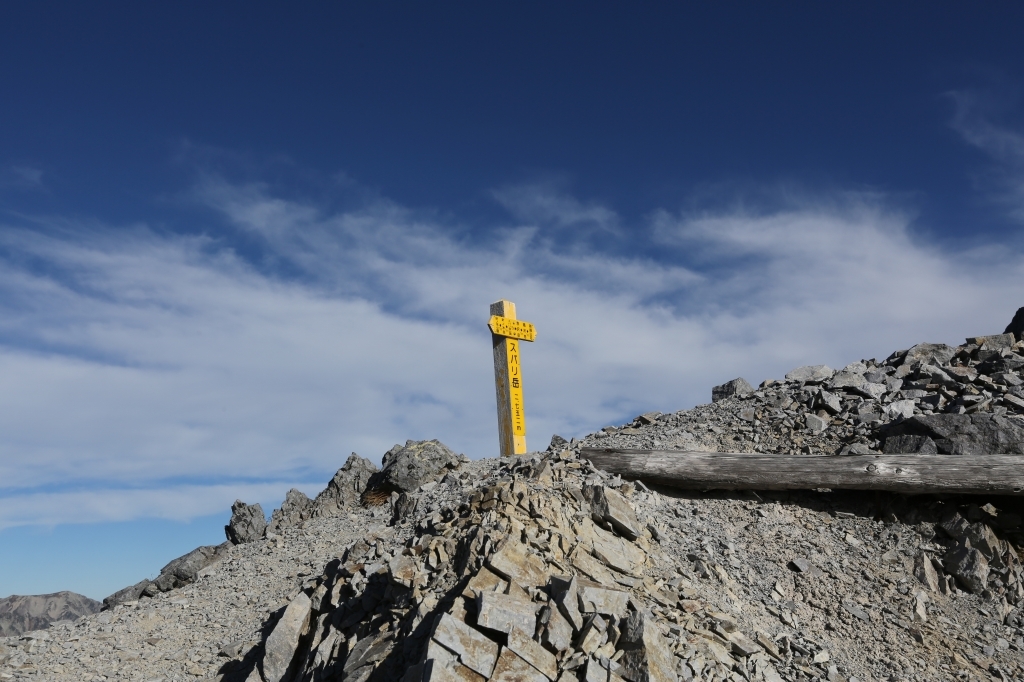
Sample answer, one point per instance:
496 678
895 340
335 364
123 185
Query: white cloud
973 119
170 364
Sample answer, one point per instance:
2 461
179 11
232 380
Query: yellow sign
506 332
512 328
515 388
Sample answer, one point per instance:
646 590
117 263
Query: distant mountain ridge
20 614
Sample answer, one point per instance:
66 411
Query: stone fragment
403 570
512 668
130 593
591 635
514 562
435 670
614 551
983 539
502 612
485 580
929 353
594 599
567 600
294 510
811 374
993 342
730 388
870 390
830 402
964 434
646 655
920 607
610 506
558 631
522 644
248 523
594 672
284 639
582 560
900 409
743 645
345 489
925 572
967 565
474 649
847 380
815 424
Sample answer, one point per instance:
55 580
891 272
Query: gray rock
608 505
185 569
811 374
925 572
403 508
406 468
130 593
909 445
475 651
345 489
737 386
967 565
846 379
284 640
646 654
829 402
900 409
248 523
994 342
963 434
1016 326
502 612
294 510
929 353
870 390
557 443
815 424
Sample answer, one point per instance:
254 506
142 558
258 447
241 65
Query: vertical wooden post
508 384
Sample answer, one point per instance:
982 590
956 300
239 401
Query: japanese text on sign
514 329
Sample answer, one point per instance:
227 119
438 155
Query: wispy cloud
974 118
132 360
22 177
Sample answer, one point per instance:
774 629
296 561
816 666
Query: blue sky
239 241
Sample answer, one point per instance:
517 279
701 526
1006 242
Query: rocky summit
20 614
545 568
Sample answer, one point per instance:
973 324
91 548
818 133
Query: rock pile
931 398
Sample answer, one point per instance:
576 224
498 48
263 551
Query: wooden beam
912 474
508 385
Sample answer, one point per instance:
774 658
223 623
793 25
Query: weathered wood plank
508 386
993 474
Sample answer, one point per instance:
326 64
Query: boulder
346 488
407 467
248 523
294 510
930 354
130 593
608 505
1016 326
737 386
646 653
910 445
961 434
284 639
967 565
810 374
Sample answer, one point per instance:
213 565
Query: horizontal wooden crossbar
993 474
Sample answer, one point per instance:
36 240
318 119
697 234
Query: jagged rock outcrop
737 386
20 614
295 509
1016 326
248 523
346 488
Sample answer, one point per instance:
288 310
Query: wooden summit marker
506 332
